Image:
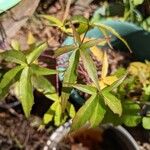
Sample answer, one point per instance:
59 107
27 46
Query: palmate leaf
70 76
31 57
84 88
37 70
115 84
26 91
90 67
91 113
98 112
64 49
44 86
92 43
113 31
14 56
9 76
84 113
113 102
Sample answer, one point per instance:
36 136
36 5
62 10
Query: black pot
114 138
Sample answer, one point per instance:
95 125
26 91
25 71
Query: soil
16 132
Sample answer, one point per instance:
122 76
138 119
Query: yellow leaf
97 52
31 40
110 79
105 65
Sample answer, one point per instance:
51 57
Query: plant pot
114 138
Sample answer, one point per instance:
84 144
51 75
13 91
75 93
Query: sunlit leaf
31 40
105 65
146 122
26 91
83 115
36 52
48 116
90 67
36 69
64 49
14 56
15 45
70 76
113 103
45 87
84 88
115 84
9 76
71 110
97 52
137 2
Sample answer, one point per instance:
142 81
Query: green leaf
48 116
37 70
70 76
98 112
14 56
71 110
64 49
76 35
53 20
137 2
113 103
26 91
15 45
84 88
146 122
36 53
92 43
114 32
45 87
83 115
90 67
9 76
130 116
79 19
115 84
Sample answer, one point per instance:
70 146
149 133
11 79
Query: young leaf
79 19
14 56
70 76
113 103
104 65
98 112
90 67
84 88
15 45
36 53
9 76
113 31
37 70
64 49
84 113
48 116
44 86
146 122
26 91
92 43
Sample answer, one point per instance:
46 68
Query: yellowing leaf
31 40
104 65
15 45
97 52
109 80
